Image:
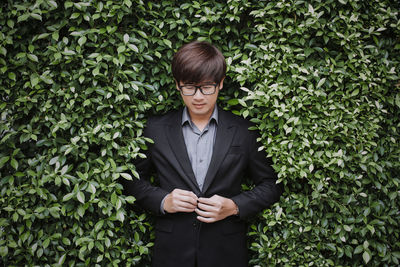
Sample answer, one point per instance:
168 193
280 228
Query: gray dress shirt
199 144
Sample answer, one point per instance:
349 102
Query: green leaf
64 169
81 197
34 81
355 92
321 82
126 38
14 163
23 18
68 52
10 23
347 228
167 42
114 198
3 251
397 100
366 257
11 75
116 135
66 241
53 160
135 173
75 15
128 3
99 258
3 161
3 51
53 3
96 129
396 254
43 35
68 196
143 34
54 211
55 35
62 259
82 40
121 49
120 216
125 175
86 102
36 16
46 243
98 225
133 48
130 199
33 57
91 188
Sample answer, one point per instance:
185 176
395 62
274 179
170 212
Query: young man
201 155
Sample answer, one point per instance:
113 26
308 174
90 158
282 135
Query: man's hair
198 61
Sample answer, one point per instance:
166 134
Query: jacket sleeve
147 195
266 191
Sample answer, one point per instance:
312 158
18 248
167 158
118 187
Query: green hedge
319 78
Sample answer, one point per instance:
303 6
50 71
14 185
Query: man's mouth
198 105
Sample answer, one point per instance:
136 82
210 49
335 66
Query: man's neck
201 121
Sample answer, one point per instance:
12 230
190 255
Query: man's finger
207 201
183 209
189 194
186 193
203 213
188 199
206 207
205 220
186 205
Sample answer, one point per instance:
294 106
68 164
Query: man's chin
200 112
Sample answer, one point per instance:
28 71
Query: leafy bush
78 80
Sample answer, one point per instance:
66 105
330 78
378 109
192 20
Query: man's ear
221 84
176 84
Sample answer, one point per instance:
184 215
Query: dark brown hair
198 61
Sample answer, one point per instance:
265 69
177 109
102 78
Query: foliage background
319 78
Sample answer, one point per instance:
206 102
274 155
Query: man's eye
207 87
188 87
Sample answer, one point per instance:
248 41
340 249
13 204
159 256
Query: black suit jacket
180 238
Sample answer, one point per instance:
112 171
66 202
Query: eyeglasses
205 89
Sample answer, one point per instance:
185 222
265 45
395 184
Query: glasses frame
198 88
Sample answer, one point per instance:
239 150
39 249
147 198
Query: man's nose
198 95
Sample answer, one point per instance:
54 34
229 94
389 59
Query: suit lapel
178 146
225 133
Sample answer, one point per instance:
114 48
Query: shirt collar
186 116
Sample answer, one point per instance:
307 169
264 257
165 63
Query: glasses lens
188 89
208 89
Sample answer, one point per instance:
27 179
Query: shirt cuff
162 205
237 209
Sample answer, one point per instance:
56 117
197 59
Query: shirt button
201 160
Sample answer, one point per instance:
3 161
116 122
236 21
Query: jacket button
194 224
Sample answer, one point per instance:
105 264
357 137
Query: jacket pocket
233 225
165 225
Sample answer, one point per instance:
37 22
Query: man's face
200 105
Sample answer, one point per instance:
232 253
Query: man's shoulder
234 119
164 119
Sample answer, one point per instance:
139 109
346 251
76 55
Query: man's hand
215 208
180 201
